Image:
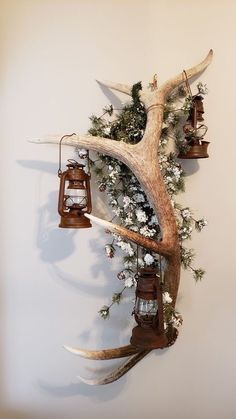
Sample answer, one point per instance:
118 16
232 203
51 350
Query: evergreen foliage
126 198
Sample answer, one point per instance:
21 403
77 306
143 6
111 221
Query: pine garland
127 199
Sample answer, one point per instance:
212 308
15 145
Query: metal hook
59 172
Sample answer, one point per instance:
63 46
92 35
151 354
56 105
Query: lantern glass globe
145 308
76 197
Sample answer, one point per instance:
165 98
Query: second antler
138 158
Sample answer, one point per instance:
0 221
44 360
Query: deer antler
118 373
104 353
138 157
171 84
116 353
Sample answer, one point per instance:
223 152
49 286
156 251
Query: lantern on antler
194 129
74 196
148 311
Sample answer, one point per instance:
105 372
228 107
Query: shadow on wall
190 166
98 394
57 244
111 96
54 244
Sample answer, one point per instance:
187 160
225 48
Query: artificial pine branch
126 197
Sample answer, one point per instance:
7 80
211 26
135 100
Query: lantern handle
59 172
202 126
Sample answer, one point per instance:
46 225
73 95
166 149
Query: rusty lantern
74 196
148 311
195 132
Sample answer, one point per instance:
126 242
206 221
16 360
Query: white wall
54 281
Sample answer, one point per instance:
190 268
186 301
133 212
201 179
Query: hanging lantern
194 129
74 196
148 312
195 132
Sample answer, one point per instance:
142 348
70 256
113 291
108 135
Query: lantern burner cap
74 164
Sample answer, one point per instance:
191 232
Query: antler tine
171 84
127 365
161 247
104 353
115 149
118 373
119 87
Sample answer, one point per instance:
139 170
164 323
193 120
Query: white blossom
186 214
141 216
133 188
138 197
126 247
168 179
107 130
109 249
166 298
122 275
128 220
173 171
113 202
116 236
128 264
177 172
177 320
82 153
171 187
146 232
185 232
162 158
200 224
104 312
204 222
148 259
117 211
134 228
126 201
202 88
129 282
113 174
171 118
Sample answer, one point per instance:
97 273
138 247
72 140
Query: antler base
147 338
